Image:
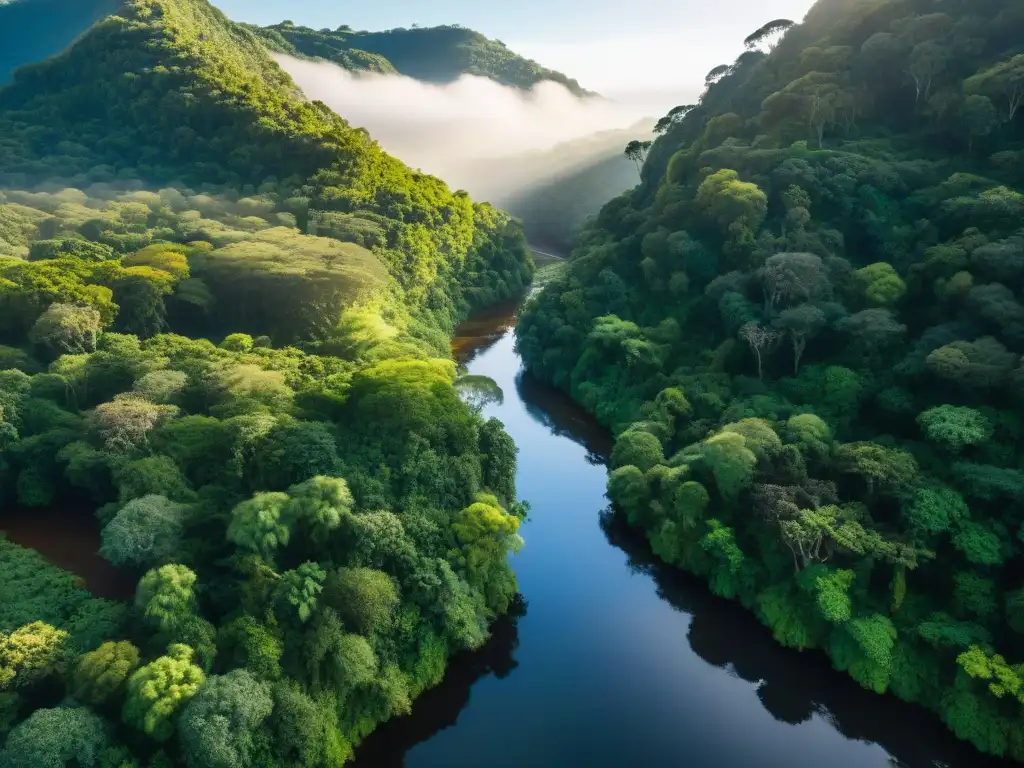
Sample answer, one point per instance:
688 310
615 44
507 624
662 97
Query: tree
249 643
305 731
935 509
816 97
319 503
636 151
124 423
31 653
218 727
737 207
161 387
883 469
927 61
101 674
1005 80
955 427
717 74
801 324
299 590
365 598
674 117
881 284
487 534
760 339
731 462
766 31
810 434
53 738
67 329
261 524
872 329
158 691
145 532
165 595
478 391
636 448
980 118
794 276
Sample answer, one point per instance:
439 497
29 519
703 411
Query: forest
224 325
805 326
431 54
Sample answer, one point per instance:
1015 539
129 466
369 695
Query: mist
478 135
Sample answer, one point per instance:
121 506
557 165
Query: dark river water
609 659
615 661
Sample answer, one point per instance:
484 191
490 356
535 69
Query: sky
625 49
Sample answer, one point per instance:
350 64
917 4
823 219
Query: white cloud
462 131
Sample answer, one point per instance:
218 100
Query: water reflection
625 661
69 537
563 417
439 707
794 687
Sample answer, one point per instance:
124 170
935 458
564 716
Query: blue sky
612 46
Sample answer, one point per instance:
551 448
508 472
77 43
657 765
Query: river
613 660
610 659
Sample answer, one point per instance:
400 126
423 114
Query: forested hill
431 54
171 90
224 336
806 325
32 30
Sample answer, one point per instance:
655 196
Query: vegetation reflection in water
849 724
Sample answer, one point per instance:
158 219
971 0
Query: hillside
431 54
555 191
32 30
171 90
806 326
224 326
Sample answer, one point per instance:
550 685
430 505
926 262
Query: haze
473 133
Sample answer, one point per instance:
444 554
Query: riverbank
619 660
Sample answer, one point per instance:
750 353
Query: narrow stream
613 660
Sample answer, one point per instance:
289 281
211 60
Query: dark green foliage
36 590
219 728
823 258
57 737
219 354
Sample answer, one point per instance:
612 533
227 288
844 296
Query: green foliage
299 590
365 598
840 218
158 691
35 590
259 524
166 595
31 653
54 738
954 427
145 532
219 726
638 449
101 674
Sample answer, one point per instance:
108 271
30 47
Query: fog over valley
474 133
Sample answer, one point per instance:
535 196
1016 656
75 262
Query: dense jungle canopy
806 326
224 323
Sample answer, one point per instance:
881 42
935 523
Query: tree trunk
799 345
1016 98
